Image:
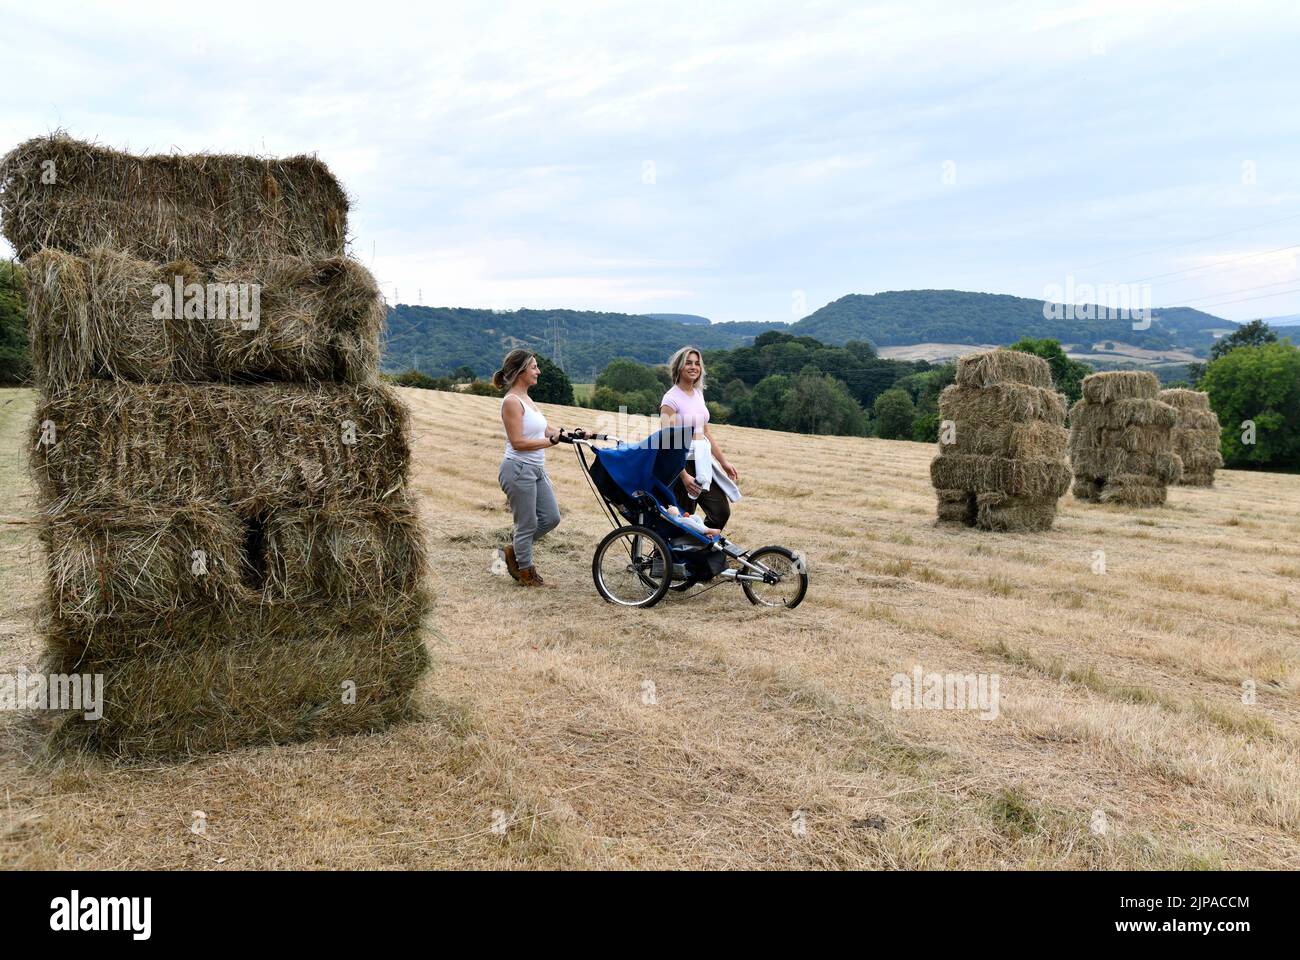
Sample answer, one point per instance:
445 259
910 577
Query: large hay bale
1002 403
1005 467
1122 414
283 674
998 511
344 553
59 192
109 315
1034 440
1048 478
1003 366
1196 436
194 564
1121 441
256 448
143 561
956 506
1120 385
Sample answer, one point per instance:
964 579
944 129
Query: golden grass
1121 692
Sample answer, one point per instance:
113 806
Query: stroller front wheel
789 579
632 567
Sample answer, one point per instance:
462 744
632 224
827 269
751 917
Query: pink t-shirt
690 408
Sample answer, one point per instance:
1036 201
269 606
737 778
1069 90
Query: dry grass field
1121 692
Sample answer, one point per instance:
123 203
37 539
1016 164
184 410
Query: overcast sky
747 161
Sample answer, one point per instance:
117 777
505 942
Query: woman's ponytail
513 365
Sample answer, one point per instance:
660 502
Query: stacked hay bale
1196 436
229 540
1005 466
1121 440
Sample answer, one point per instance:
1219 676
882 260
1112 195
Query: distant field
1121 741
932 351
582 391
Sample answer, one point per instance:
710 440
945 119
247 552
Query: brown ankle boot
537 577
528 577
511 563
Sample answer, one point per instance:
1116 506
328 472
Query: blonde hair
678 360
515 363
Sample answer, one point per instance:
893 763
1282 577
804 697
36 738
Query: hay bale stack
1196 436
223 503
1121 440
107 315
74 196
1005 467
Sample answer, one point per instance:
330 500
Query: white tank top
534 429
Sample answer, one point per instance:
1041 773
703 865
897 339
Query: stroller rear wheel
632 567
789 579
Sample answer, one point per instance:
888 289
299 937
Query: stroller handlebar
582 436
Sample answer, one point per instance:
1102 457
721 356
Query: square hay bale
284 674
1087 489
1120 385
256 448
1031 478
1002 403
1121 414
1182 399
1032 440
143 561
109 315
59 192
343 553
1163 466
1133 490
956 506
1196 437
95 318
1006 514
197 564
1003 366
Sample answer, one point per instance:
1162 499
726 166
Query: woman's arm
719 457
668 417
512 415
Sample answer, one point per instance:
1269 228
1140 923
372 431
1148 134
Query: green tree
553 384
15 358
894 412
414 378
1259 384
818 403
463 373
628 376
765 404
925 428
1254 334
1067 374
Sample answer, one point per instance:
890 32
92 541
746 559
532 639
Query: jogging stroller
649 550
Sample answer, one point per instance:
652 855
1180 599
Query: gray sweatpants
532 500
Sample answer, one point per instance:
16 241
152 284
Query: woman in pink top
684 404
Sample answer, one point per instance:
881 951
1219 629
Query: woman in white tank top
523 475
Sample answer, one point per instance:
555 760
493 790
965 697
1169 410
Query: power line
1228 293
1215 266
1263 296
1180 243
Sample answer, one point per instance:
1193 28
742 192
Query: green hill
437 340
905 317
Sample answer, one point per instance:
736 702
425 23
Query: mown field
1122 738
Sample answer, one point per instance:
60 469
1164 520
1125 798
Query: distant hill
437 340
1291 320
688 318
904 317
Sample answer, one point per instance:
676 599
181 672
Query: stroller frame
691 556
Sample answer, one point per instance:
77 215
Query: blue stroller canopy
649 466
